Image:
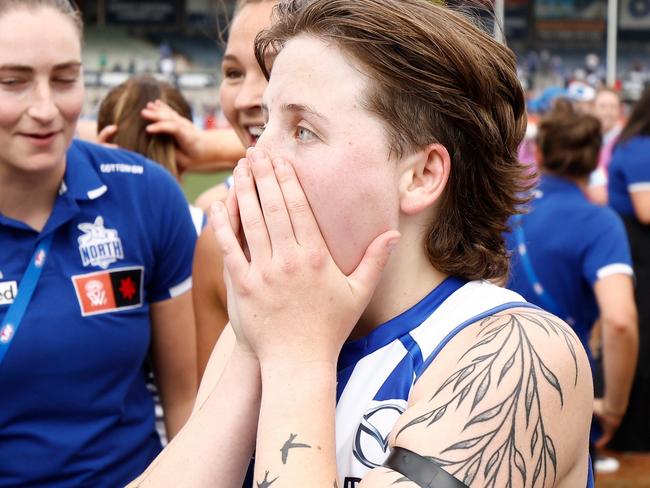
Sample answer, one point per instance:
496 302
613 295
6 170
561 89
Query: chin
44 162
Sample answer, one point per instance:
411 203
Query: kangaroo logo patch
98 245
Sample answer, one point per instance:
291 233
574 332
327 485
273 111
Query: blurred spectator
608 109
629 195
572 258
120 122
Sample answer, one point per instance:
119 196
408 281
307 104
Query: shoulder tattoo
495 442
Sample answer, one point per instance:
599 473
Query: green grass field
196 183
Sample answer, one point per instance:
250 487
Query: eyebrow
229 57
28 69
296 108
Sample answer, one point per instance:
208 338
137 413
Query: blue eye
305 134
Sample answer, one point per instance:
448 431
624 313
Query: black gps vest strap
420 470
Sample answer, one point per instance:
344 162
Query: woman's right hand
189 138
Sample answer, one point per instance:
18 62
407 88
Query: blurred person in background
121 111
95 274
629 195
608 108
571 257
119 122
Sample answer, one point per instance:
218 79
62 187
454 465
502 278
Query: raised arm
296 309
215 446
195 146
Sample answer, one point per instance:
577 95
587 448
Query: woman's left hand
286 295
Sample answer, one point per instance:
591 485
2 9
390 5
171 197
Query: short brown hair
436 78
569 141
122 106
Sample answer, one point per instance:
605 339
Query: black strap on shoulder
420 470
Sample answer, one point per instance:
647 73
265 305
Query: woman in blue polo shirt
95 272
571 257
629 195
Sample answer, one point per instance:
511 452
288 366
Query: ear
424 178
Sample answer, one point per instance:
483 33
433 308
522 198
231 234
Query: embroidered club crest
98 245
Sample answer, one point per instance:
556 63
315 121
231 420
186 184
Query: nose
267 142
250 95
42 107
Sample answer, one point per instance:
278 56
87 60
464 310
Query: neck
29 196
407 279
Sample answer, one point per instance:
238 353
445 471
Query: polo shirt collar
81 181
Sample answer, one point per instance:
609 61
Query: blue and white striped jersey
376 373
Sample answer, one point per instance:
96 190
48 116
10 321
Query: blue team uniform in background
570 244
629 171
74 408
560 249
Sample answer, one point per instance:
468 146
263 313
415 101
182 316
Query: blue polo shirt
74 408
571 244
629 171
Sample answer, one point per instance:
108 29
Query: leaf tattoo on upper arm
504 357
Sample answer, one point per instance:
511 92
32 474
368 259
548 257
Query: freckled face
339 150
243 82
41 89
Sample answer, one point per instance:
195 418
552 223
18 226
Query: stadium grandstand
178 40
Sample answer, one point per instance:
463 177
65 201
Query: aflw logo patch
98 245
109 291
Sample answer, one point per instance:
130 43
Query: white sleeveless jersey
376 373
